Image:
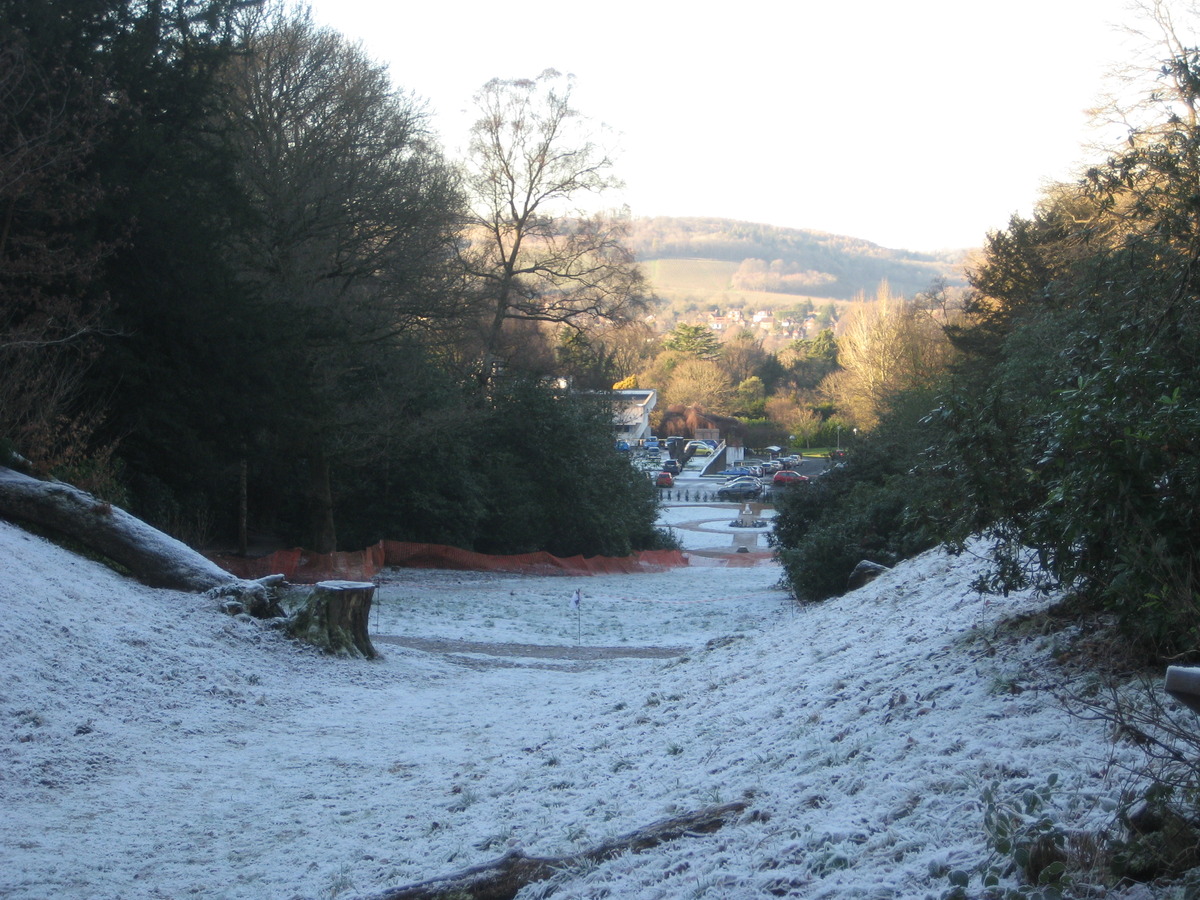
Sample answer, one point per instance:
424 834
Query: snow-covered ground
153 747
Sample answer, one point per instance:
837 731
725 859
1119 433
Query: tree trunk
243 505
152 556
501 879
335 618
320 499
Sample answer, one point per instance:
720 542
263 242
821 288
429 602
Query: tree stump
335 618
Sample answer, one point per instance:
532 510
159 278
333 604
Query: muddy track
535 651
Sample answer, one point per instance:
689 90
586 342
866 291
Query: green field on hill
704 284
707 276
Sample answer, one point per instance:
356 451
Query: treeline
243 291
1064 423
833 266
813 392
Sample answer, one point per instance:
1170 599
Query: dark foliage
550 479
887 501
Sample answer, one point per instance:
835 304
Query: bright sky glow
916 125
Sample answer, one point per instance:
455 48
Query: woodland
247 297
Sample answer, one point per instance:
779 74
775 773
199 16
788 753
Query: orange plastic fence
303 567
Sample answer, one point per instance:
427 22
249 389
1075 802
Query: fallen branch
502 878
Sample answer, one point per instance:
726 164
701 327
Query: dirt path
537 651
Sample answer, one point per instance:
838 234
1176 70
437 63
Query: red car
664 479
787 476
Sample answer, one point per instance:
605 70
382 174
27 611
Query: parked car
672 465
664 479
698 448
745 488
787 476
734 471
739 479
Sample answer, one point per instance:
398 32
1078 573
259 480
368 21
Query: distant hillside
698 258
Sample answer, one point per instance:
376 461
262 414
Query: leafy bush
528 468
1028 844
551 481
883 504
1084 445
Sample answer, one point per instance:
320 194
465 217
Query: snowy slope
154 747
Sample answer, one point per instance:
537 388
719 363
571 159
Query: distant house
631 414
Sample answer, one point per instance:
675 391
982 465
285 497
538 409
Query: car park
787 476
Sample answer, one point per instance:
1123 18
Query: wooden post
335 618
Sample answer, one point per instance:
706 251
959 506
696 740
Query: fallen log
150 555
502 878
153 557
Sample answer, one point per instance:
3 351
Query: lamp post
839 437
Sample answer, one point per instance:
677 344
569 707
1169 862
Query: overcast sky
917 125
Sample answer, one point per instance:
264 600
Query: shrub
883 504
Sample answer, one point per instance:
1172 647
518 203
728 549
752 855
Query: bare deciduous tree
701 383
532 254
885 347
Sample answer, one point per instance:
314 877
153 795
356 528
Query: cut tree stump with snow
335 618
501 879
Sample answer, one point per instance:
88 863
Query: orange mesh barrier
302 567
